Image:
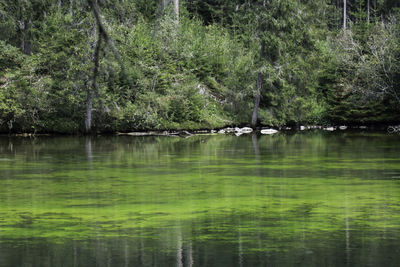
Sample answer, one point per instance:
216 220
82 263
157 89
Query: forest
76 66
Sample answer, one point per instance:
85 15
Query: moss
66 193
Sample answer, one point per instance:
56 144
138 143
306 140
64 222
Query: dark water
307 199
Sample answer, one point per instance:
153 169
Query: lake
294 199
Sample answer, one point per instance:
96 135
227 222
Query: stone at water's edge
268 131
244 130
237 131
330 129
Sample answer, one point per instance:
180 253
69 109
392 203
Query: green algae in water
286 200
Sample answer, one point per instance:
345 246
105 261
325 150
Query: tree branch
103 33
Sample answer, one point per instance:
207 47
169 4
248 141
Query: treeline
163 64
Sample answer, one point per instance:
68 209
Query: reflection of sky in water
285 200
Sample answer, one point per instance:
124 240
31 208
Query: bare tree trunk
59 3
27 47
344 13
93 88
254 118
368 10
337 19
22 28
103 33
25 43
71 5
164 4
176 9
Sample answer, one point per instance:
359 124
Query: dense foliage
200 70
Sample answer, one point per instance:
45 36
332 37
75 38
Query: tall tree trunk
164 4
337 17
22 27
176 9
94 87
27 48
254 118
91 90
71 5
59 3
103 33
25 42
368 10
344 13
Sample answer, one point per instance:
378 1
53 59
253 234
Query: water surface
306 199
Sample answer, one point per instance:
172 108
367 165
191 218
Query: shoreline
226 130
